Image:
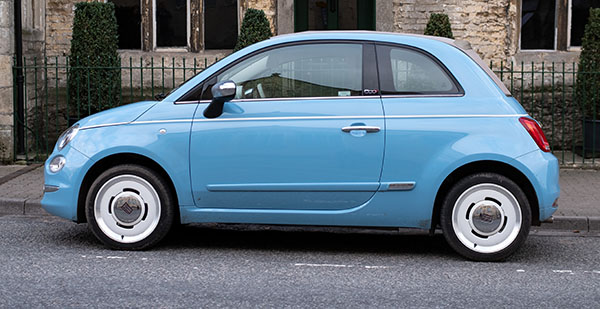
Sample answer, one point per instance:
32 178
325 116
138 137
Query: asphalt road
49 262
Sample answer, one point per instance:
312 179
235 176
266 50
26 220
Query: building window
171 23
129 22
152 24
220 24
578 17
538 19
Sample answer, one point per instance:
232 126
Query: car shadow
301 239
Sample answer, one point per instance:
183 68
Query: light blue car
317 128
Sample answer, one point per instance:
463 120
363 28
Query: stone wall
59 23
488 25
268 6
6 78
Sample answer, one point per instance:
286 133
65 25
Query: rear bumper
542 170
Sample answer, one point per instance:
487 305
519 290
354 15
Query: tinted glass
220 24
129 22
171 23
312 70
406 71
537 24
580 11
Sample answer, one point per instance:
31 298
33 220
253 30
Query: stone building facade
499 30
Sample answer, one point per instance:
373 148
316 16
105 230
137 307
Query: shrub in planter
439 25
588 80
95 76
255 28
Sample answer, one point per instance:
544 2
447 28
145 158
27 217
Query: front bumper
62 197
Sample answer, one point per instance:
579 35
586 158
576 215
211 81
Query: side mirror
222 92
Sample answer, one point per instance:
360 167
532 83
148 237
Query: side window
310 70
406 71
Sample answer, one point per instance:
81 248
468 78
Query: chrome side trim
104 125
456 116
285 99
192 102
440 95
302 118
289 118
49 188
397 186
162 121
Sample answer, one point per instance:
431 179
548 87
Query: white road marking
322 265
520 270
562 271
116 257
339 265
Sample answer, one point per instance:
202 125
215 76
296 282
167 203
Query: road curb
16 206
12 206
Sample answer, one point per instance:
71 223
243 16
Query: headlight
57 164
67 136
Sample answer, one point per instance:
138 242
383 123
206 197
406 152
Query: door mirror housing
222 92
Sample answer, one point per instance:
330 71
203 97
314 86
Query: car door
301 133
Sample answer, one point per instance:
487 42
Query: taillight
536 133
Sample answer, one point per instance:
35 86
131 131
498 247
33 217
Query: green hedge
439 25
588 84
94 80
255 28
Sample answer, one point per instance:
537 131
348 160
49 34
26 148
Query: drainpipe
19 72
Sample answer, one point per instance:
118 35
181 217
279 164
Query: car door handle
368 129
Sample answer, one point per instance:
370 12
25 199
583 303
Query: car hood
118 115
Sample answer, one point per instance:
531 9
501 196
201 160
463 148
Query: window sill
549 56
171 49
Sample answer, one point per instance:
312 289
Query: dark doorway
334 15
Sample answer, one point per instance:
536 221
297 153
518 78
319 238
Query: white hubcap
486 218
127 208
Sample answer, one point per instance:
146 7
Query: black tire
158 228
455 228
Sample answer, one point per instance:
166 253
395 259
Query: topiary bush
95 76
255 28
588 80
439 25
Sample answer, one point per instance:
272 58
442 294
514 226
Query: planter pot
592 138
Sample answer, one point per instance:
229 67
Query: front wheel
485 217
129 207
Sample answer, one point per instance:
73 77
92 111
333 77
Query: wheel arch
116 159
490 166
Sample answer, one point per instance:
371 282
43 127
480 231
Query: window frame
188 21
184 100
459 89
568 34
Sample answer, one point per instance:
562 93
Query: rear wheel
129 207
485 217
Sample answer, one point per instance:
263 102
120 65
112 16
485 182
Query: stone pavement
579 203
